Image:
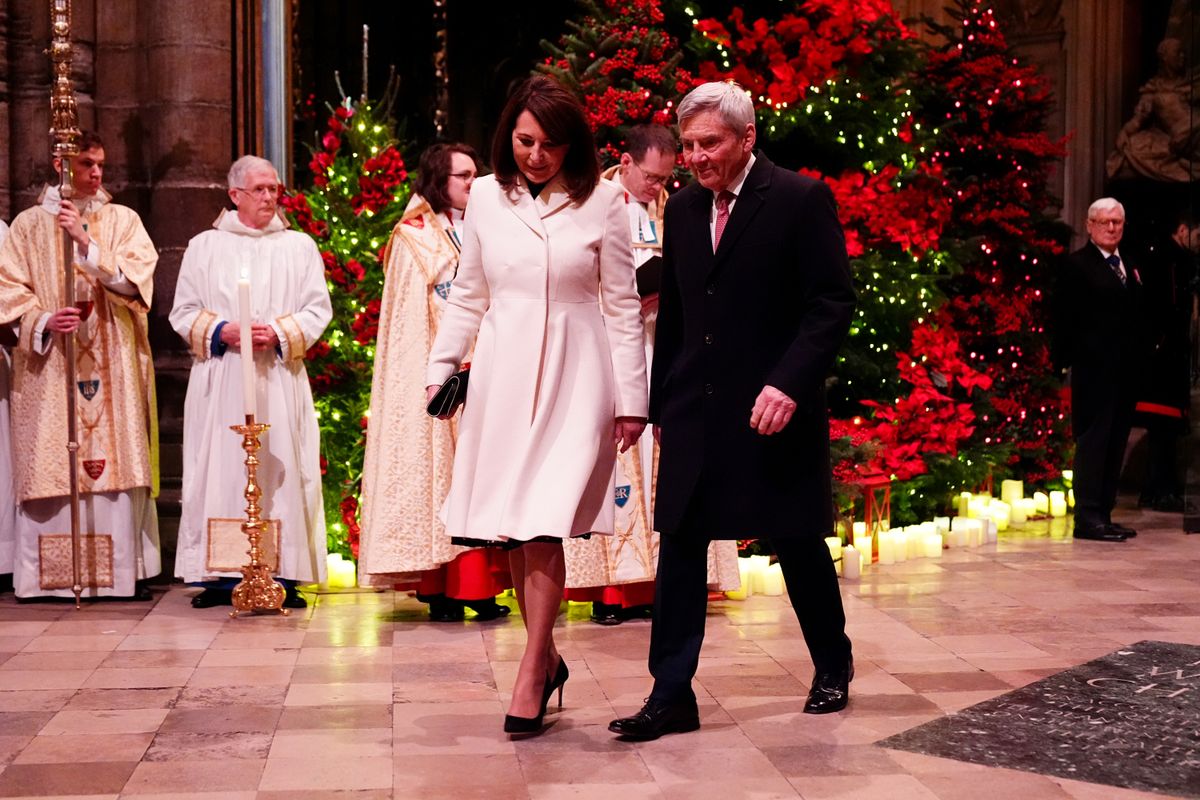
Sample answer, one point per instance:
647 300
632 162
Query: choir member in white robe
8 504
290 309
117 425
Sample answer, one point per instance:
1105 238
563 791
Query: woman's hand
627 431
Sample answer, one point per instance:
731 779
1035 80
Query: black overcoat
1098 331
770 307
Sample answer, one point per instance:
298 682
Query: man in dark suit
756 299
1098 332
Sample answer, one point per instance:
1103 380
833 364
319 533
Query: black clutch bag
452 395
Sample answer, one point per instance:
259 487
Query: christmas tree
623 66
360 188
996 158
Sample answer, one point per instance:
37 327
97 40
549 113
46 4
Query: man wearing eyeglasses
616 573
1098 334
289 309
116 423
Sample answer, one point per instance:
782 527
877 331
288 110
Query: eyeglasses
1107 223
269 190
651 178
464 176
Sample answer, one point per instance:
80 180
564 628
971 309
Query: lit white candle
772 581
933 545
834 543
963 503
1041 503
247 347
1011 491
851 562
758 567
887 547
1058 504
900 545
1000 513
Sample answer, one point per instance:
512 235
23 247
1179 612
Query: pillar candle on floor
772 581
1011 491
1041 502
851 563
1058 504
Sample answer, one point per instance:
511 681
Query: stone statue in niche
1160 141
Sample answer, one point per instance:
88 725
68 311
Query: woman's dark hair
433 172
562 118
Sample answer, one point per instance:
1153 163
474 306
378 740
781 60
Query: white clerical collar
228 221
51 200
1107 253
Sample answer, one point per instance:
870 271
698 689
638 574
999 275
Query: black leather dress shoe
1099 533
606 614
830 690
293 599
658 718
211 597
1128 533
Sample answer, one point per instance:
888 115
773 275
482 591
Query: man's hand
231 336
65 320
70 221
627 431
263 337
772 411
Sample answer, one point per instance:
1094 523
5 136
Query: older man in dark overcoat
756 299
1099 332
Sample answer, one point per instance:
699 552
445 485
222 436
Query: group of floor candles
980 517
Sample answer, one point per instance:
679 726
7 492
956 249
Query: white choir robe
288 291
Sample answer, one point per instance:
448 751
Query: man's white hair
243 166
1105 204
725 97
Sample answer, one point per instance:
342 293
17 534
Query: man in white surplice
290 309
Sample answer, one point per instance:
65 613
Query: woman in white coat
558 379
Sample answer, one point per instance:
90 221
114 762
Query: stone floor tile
335 717
866 787
224 719
65 779
250 657
71 748
316 773
12 744
37 660
148 678
18 679
218 696
123 699
333 694
241 676
105 722
149 659
225 746
35 699
332 743
190 778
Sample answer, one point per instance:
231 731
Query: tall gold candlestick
257 591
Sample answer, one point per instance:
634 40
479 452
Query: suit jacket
1098 329
771 306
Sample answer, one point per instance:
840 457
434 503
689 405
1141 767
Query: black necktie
1114 261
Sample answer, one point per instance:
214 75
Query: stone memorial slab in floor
1129 719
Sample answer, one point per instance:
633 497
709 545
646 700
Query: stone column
1092 97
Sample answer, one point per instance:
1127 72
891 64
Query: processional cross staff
64 137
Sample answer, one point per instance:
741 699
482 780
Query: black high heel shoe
560 677
533 725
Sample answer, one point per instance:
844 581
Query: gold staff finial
64 116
